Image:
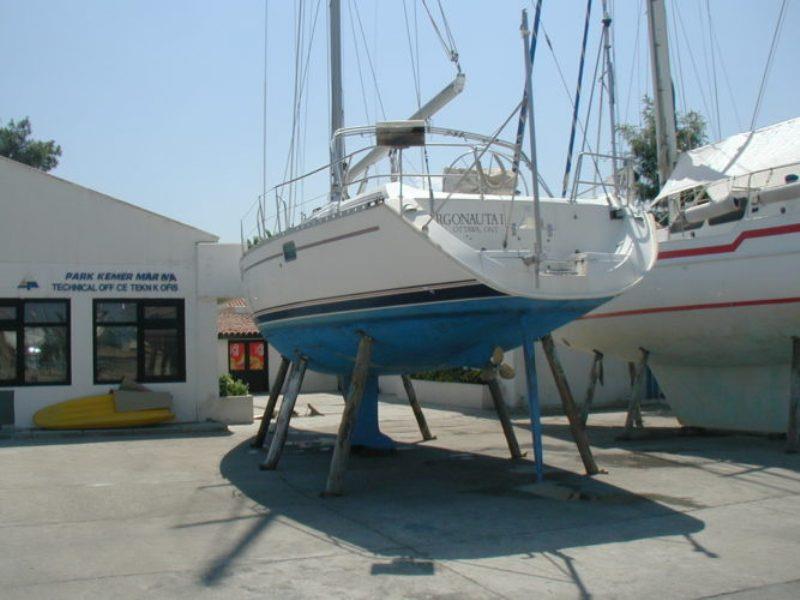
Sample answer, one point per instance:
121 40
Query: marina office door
247 360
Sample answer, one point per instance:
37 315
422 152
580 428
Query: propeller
505 370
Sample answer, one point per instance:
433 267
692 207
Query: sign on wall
117 281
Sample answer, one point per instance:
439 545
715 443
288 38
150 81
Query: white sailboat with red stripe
718 311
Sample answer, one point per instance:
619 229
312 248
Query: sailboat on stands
717 314
438 269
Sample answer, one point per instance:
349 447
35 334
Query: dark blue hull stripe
467 292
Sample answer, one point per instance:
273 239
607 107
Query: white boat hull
717 315
426 290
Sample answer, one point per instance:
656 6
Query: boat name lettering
469 218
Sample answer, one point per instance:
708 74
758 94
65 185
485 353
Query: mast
530 46
337 101
610 83
663 92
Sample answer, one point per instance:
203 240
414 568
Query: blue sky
160 103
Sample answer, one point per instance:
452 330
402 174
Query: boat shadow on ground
426 503
764 450
758 459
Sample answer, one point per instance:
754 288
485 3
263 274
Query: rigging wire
447 30
302 146
448 44
414 59
585 124
302 60
305 96
600 105
264 111
768 66
695 70
634 60
358 63
713 67
613 30
290 166
677 50
727 79
327 61
416 44
565 87
414 63
577 103
709 80
369 59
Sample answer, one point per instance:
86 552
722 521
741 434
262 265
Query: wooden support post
632 372
570 409
792 442
341 451
274 392
634 416
594 374
285 415
502 412
533 404
415 406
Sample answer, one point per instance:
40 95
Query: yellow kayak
96 412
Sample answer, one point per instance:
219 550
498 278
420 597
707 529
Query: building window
34 342
142 340
246 356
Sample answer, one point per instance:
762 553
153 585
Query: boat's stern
591 249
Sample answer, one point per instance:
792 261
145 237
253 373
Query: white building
93 289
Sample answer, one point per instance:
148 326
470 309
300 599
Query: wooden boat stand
577 419
415 406
341 451
792 442
570 409
595 375
296 375
634 417
355 393
489 377
269 411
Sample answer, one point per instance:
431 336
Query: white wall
218 273
450 395
222 356
51 227
576 366
312 382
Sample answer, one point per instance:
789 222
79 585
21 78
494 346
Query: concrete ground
192 516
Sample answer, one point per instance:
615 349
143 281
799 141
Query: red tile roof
234 319
237 303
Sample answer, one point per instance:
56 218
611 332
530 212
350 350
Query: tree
642 142
15 143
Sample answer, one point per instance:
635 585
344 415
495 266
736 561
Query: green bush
230 386
455 375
